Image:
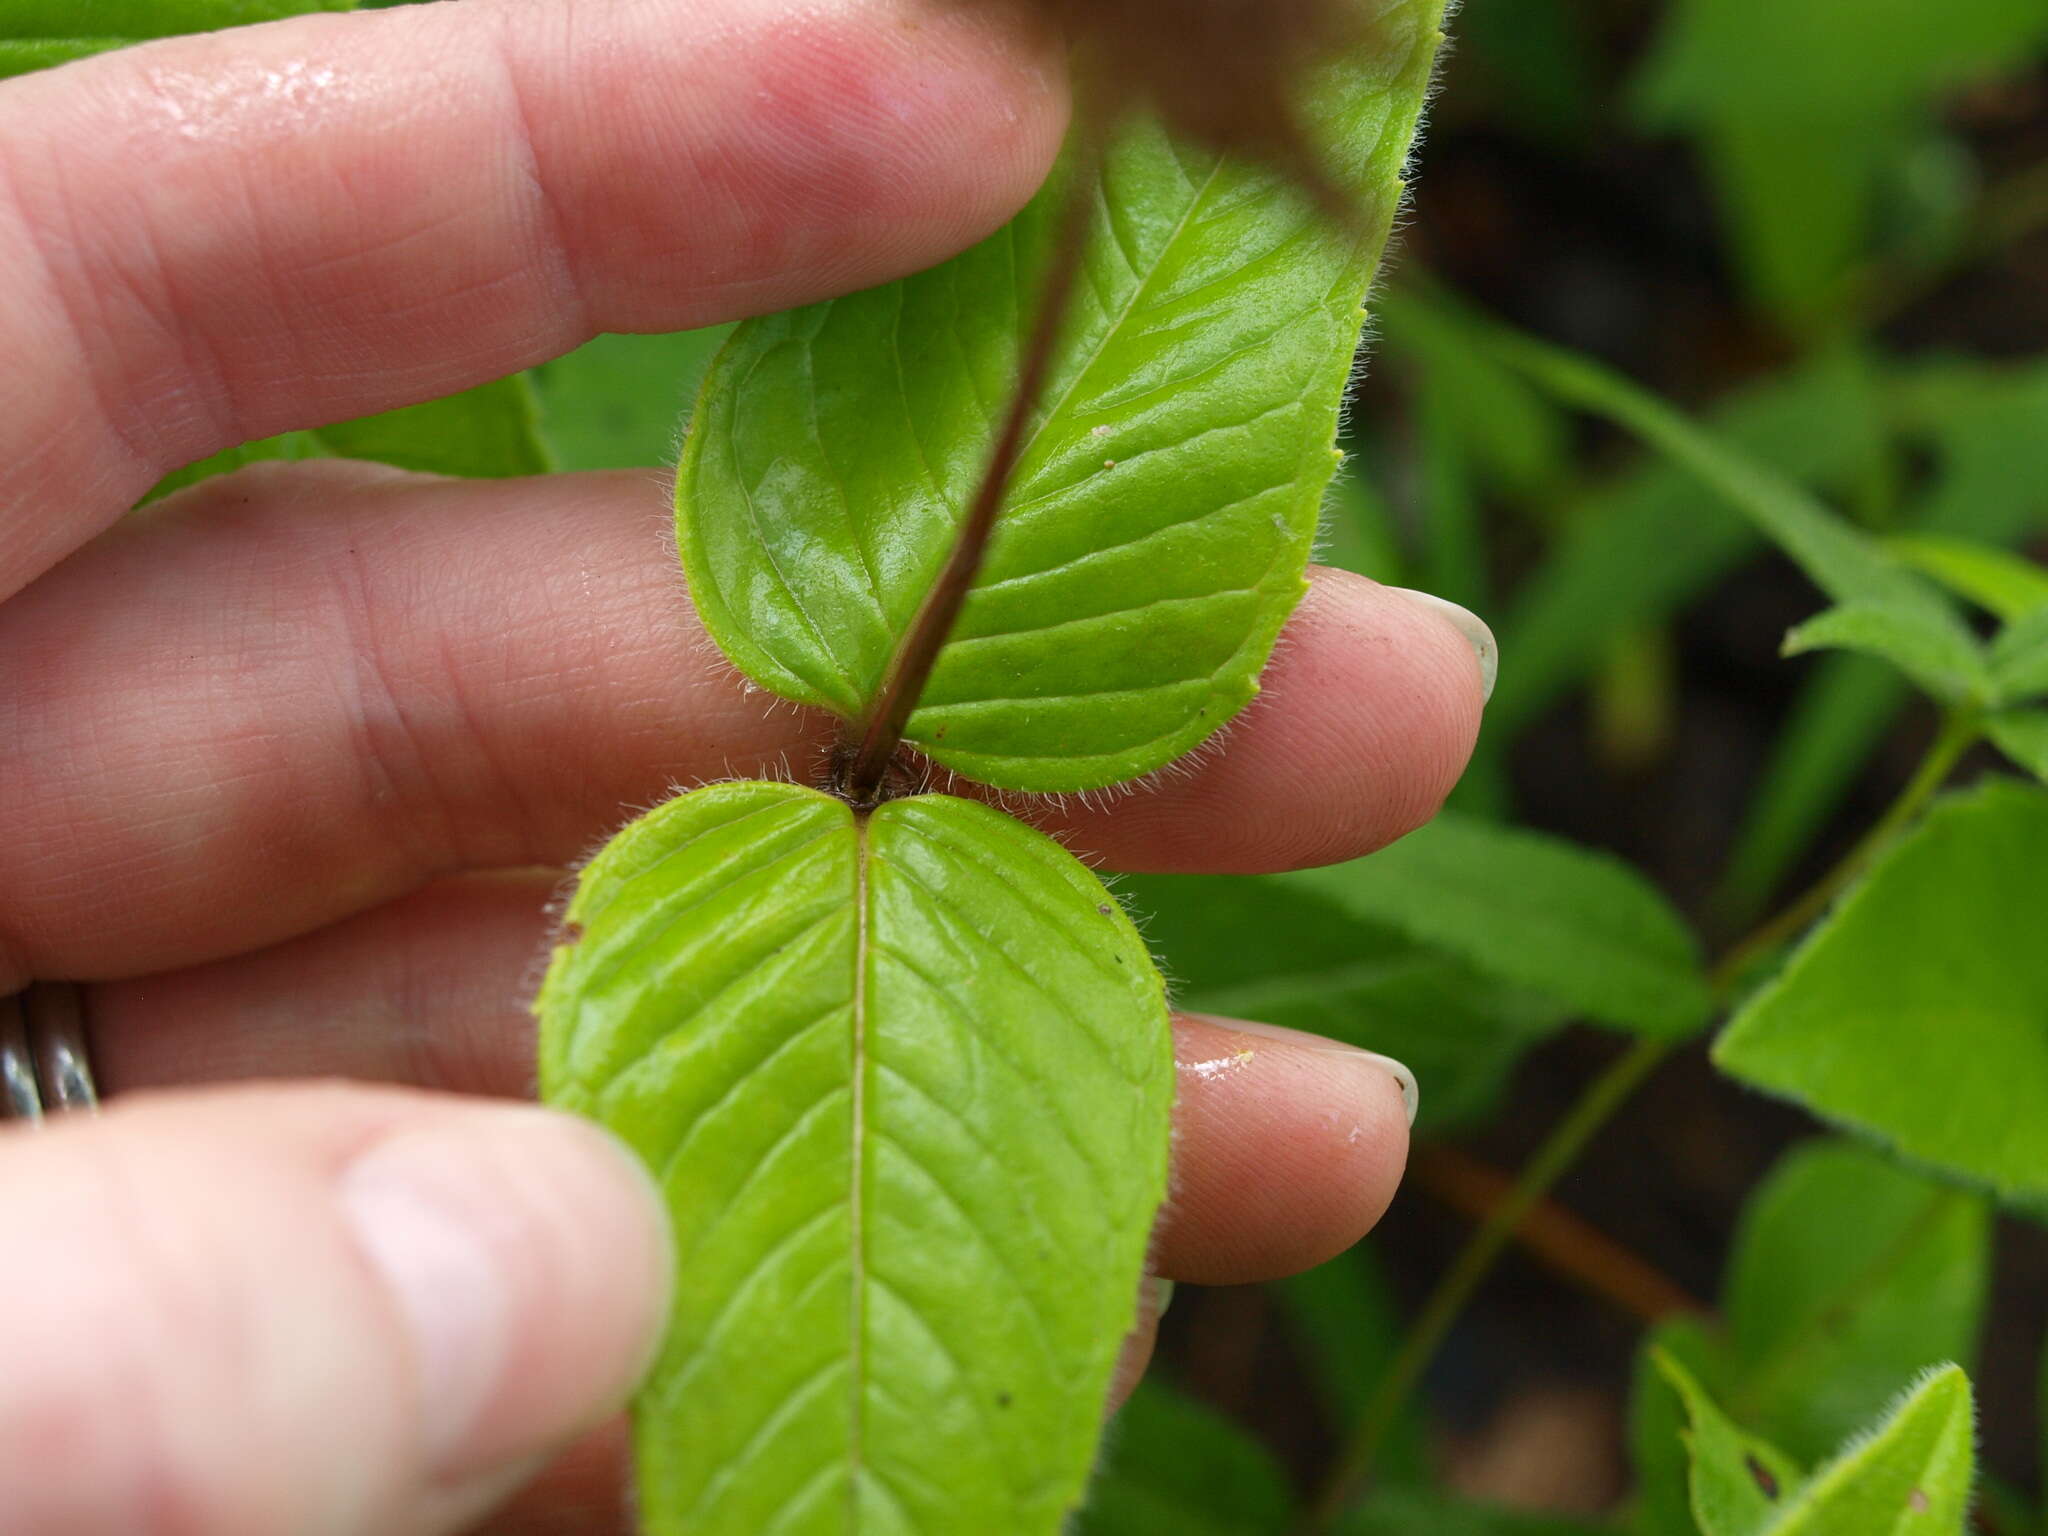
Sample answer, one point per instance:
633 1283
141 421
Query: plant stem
1595 1106
867 764
1565 1242
1958 732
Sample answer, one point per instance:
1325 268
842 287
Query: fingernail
1323 1045
477 1229
1471 626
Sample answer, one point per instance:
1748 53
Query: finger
211 239
487 1282
1287 1146
416 676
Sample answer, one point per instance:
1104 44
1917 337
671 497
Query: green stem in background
1602 1097
1959 731
1596 1105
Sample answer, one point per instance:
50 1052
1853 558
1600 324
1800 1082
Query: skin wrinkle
677 206
586 701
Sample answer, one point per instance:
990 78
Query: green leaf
1155 535
1534 912
1940 657
904 1081
1910 1478
146 18
2022 735
1850 1275
614 402
1516 436
40 34
1803 107
1278 949
1839 559
1996 580
1416 1512
487 432
25 57
1835 725
1657 1421
1739 1482
2019 658
1643 548
1170 1464
1983 429
1346 1324
1915 1012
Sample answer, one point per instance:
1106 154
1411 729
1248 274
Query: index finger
212 239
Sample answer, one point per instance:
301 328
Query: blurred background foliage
1708 314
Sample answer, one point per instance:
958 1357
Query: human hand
289 764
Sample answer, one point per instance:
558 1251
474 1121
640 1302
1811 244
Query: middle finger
294 693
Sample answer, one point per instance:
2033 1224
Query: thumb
292 1309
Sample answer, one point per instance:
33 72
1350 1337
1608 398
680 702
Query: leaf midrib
857 1184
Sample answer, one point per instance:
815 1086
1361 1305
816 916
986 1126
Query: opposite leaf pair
903 1069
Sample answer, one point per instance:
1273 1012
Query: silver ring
45 1066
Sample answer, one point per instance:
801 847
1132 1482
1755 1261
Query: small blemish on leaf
1101 432
1109 463
1105 911
572 933
1002 1399
1761 1474
1916 1501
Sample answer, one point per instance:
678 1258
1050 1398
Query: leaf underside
904 1081
1155 536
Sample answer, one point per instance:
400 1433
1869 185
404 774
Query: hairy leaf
1276 948
1170 1464
1937 959
1910 1478
1739 1482
1154 537
1657 1421
904 1081
1940 657
1535 912
1850 1276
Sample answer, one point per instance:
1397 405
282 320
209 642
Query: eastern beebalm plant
901 1064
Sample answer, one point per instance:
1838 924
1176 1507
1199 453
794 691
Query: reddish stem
866 762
